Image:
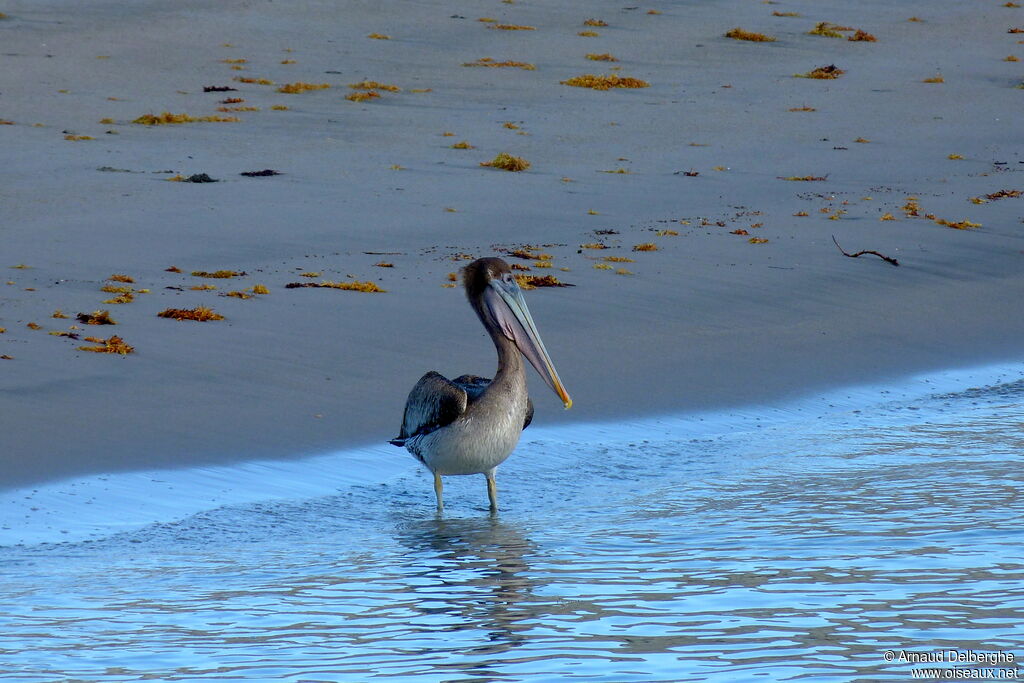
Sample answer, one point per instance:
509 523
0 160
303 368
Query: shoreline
93 507
707 321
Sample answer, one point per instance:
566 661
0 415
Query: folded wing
433 403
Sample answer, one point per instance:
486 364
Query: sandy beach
739 173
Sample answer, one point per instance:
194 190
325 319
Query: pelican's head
495 295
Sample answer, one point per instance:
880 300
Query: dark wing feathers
473 385
433 403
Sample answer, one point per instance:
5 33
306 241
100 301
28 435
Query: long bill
509 309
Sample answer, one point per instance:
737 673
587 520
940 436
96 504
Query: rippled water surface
795 544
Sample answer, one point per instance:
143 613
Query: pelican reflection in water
471 424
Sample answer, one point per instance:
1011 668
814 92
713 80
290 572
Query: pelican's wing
474 386
433 403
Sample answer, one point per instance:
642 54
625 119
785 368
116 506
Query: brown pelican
471 424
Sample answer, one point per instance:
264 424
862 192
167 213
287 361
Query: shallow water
778 544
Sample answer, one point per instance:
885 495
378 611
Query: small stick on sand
866 251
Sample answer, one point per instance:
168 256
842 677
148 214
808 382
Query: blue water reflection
790 549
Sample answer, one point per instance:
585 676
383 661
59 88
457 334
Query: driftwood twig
888 259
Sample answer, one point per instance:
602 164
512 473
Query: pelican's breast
481 439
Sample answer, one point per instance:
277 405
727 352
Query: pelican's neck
510 361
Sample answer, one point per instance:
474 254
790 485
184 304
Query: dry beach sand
738 172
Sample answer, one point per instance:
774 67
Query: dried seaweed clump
595 22
646 246
112 345
123 297
222 274
374 85
167 118
601 57
354 286
379 36
535 281
511 27
301 87
121 278
830 72
507 162
362 95
490 62
828 29
958 225
96 318
528 253
462 145
605 82
741 34
935 79
862 37
257 81
199 314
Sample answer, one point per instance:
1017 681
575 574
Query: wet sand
708 320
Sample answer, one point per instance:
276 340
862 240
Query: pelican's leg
438 489
492 490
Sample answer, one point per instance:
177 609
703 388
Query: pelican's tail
398 441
